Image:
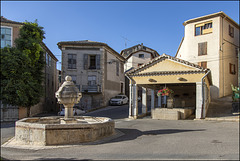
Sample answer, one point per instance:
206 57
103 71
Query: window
72 61
140 64
121 67
91 61
203 28
141 55
231 31
48 60
236 51
202 48
232 68
92 64
117 68
6 37
92 80
74 78
203 64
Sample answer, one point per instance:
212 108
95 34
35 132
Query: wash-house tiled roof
191 68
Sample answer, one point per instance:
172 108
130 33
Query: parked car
76 112
119 100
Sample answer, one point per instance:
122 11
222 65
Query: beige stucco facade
108 76
221 50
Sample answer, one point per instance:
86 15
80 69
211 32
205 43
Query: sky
120 24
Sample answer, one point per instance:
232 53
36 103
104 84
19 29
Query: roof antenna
125 41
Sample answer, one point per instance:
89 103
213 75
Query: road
147 139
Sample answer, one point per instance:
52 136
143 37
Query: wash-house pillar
198 100
130 100
135 100
159 101
152 98
144 101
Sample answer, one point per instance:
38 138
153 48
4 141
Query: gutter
203 93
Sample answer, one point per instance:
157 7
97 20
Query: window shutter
205 48
98 61
85 65
117 68
199 49
202 48
230 68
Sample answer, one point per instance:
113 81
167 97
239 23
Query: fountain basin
51 131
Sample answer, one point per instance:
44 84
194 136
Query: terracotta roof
83 42
89 43
163 57
127 55
198 69
4 20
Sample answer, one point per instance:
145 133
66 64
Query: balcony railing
91 89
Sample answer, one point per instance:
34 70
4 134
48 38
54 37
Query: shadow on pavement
132 134
62 159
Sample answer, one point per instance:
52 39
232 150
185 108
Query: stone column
198 100
130 100
152 98
144 100
135 100
159 101
68 111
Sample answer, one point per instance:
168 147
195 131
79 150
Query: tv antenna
125 41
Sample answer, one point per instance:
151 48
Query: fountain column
68 95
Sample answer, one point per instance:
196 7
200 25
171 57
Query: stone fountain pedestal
63 130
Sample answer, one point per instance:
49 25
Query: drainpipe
203 93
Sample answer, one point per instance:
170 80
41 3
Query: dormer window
141 55
203 28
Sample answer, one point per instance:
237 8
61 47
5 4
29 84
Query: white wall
189 51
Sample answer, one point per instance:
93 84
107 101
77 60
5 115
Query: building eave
44 46
90 43
221 14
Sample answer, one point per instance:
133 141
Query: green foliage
22 68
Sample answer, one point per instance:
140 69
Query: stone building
9 32
135 57
212 41
95 68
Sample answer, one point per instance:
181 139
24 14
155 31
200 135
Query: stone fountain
68 95
57 130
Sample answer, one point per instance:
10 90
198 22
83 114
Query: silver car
119 100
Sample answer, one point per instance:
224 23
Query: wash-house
189 82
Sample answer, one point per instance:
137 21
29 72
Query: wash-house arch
190 83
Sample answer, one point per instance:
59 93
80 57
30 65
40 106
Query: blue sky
156 24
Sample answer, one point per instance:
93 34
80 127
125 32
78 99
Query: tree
22 68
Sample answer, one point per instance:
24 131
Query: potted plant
235 99
167 94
